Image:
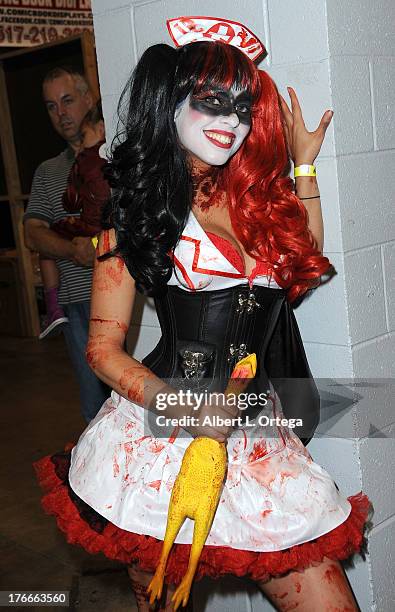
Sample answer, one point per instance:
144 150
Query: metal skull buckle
247 303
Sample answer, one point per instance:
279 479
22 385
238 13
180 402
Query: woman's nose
232 120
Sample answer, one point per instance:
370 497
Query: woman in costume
204 218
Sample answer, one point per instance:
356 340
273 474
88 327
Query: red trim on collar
196 256
261 268
184 272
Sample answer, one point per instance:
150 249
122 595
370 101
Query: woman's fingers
217 432
325 121
296 110
301 143
219 424
288 138
230 409
286 112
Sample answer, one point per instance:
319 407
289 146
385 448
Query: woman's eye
243 109
213 100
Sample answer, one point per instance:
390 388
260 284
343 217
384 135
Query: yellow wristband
94 241
305 170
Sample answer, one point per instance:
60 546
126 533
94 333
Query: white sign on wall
24 23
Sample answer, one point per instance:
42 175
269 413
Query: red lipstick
218 143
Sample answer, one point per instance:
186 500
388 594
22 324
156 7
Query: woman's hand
303 146
215 415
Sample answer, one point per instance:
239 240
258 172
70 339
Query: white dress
275 496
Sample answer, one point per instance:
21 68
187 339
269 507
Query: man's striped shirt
45 202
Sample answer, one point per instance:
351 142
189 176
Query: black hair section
149 171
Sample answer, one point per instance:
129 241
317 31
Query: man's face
66 106
212 125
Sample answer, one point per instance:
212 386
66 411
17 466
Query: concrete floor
39 414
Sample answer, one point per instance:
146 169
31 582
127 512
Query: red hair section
268 218
225 66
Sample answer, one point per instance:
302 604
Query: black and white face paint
213 124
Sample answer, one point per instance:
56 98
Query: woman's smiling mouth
221 139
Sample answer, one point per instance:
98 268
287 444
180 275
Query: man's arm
39 237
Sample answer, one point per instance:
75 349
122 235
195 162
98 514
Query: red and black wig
268 218
151 175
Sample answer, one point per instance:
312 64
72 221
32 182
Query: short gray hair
80 81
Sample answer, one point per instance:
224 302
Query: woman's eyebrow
243 96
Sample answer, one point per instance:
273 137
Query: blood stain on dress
265 513
233 476
129 427
289 474
80 465
236 450
155 446
264 472
128 448
155 484
115 467
170 484
173 435
259 450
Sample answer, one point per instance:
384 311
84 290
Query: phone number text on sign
25 35
24 23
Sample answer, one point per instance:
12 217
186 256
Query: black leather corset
204 333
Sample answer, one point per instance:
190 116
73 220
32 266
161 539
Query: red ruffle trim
127 547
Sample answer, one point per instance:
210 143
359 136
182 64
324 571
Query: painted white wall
342 56
361 38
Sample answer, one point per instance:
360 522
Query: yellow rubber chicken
196 494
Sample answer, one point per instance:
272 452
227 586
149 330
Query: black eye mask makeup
219 102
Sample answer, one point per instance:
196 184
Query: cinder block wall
336 56
361 38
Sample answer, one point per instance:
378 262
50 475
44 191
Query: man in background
67 98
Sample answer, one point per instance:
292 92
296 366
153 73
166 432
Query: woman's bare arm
307 187
303 147
113 294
